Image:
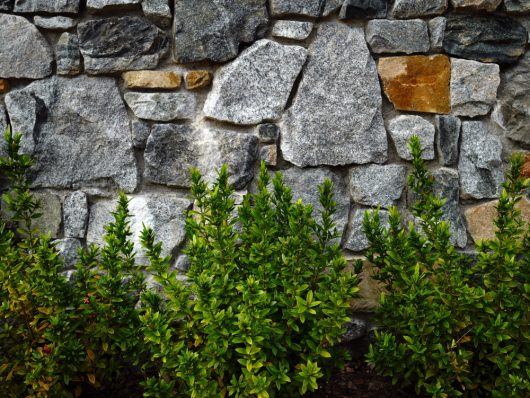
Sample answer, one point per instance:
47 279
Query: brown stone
152 79
525 171
4 86
417 83
480 219
269 154
486 5
197 79
370 289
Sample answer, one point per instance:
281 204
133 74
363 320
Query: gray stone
77 131
3 123
436 32
68 55
403 127
214 29
183 263
69 250
517 6
308 8
49 6
447 137
255 86
172 149
158 12
363 9
25 52
54 23
98 5
410 36
75 215
140 130
486 5
417 8
268 133
269 154
294 30
488 38
50 208
121 43
355 329
357 240
480 164
336 116
6 5
331 6
473 87
162 107
377 185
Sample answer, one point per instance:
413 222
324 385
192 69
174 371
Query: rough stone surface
377 185
4 86
294 30
49 6
417 8
152 79
30 55
403 127
447 137
308 8
162 107
436 32
357 240
485 38
410 36
517 6
480 164
198 79
331 6
417 83
75 215
486 5
525 171
77 131
370 289
336 116
68 55
255 86
99 5
140 130
363 9
355 329
68 249
6 5
158 12
214 29
121 43
183 263
480 219
54 23
172 149
50 208
473 87
3 123
268 133
269 154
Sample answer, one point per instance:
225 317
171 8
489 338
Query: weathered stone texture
54 23
377 185
403 127
486 5
309 8
294 30
256 86
6 5
161 107
68 55
269 154
417 8
158 12
198 79
50 208
140 130
121 43
3 124
517 6
68 249
525 171
268 133
99 5
363 9
336 116
357 240
75 215
437 32
152 79
386 36
25 53
447 137
49 6
77 131
417 83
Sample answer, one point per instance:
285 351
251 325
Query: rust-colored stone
417 83
480 218
4 86
525 171
152 79
197 79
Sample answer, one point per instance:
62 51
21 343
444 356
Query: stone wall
128 94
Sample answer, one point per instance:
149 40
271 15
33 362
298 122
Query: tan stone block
418 83
4 86
197 79
370 289
526 166
152 79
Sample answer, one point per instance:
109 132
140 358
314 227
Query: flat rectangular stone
152 79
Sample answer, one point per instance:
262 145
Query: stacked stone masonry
129 94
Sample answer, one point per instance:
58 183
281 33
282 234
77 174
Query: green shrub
449 327
270 296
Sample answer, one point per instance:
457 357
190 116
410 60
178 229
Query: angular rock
212 30
331 6
268 133
377 185
25 52
405 9
357 240
55 23
480 219
473 87
140 130
75 215
197 79
269 154
152 79
436 32
161 107
68 55
403 127
308 8
98 5
294 30
50 208
183 263
355 329
491 38
255 86
335 118
447 137
158 12
386 36
172 149
121 43
68 249
49 6
525 171
363 9
4 86
370 289
418 83
6 5
480 164
517 6
486 5
77 131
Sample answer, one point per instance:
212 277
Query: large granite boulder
121 43
24 52
49 6
256 85
77 131
212 30
336 116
